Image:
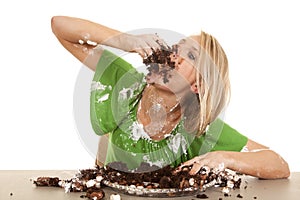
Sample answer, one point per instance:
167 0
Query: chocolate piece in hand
160 58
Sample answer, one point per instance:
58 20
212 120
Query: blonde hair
212 82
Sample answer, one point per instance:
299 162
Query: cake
159 62
146 180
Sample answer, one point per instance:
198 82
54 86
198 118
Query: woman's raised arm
80 36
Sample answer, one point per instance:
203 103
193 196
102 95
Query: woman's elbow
286 170
278 167
56 23
53 23
283 168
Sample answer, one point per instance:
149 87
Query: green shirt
115 93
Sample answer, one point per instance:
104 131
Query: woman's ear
194 88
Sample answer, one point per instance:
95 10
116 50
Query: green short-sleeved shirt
115 93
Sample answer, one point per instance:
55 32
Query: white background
38 76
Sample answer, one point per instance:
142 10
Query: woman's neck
159 112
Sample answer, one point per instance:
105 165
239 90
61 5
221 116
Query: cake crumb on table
202 196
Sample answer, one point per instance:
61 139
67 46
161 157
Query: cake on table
146 180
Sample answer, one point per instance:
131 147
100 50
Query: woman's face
183 77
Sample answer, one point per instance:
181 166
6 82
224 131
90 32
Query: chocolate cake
156 182
161 59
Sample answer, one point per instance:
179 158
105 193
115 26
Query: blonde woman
166 116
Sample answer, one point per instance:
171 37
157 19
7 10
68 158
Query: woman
169 116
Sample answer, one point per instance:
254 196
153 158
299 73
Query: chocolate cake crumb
95 194
165 182
239 196
11 194
202 196
254 197
47 181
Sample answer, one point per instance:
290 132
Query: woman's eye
191 56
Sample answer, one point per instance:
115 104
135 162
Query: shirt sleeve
222 137
114 90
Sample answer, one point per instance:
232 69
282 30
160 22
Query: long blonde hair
212 82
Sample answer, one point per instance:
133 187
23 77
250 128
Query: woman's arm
258 161
80 37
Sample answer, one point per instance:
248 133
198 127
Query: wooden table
18 185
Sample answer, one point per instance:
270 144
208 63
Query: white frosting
67 187
99 178
125 93
89 42
176 142
90 183
225 190
96 85
81 42
137 132
192 181
115 197
230 184
159 163
103 98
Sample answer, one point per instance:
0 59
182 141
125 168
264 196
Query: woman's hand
214 159
143 44
264 163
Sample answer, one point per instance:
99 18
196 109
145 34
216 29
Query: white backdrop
38 76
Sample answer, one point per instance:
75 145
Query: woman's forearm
264 164
80 37
80 34
81 31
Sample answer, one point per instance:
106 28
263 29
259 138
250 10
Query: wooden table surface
18 185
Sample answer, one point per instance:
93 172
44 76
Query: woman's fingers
192 161
195 168
161 42
188 163
150 43
212 160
